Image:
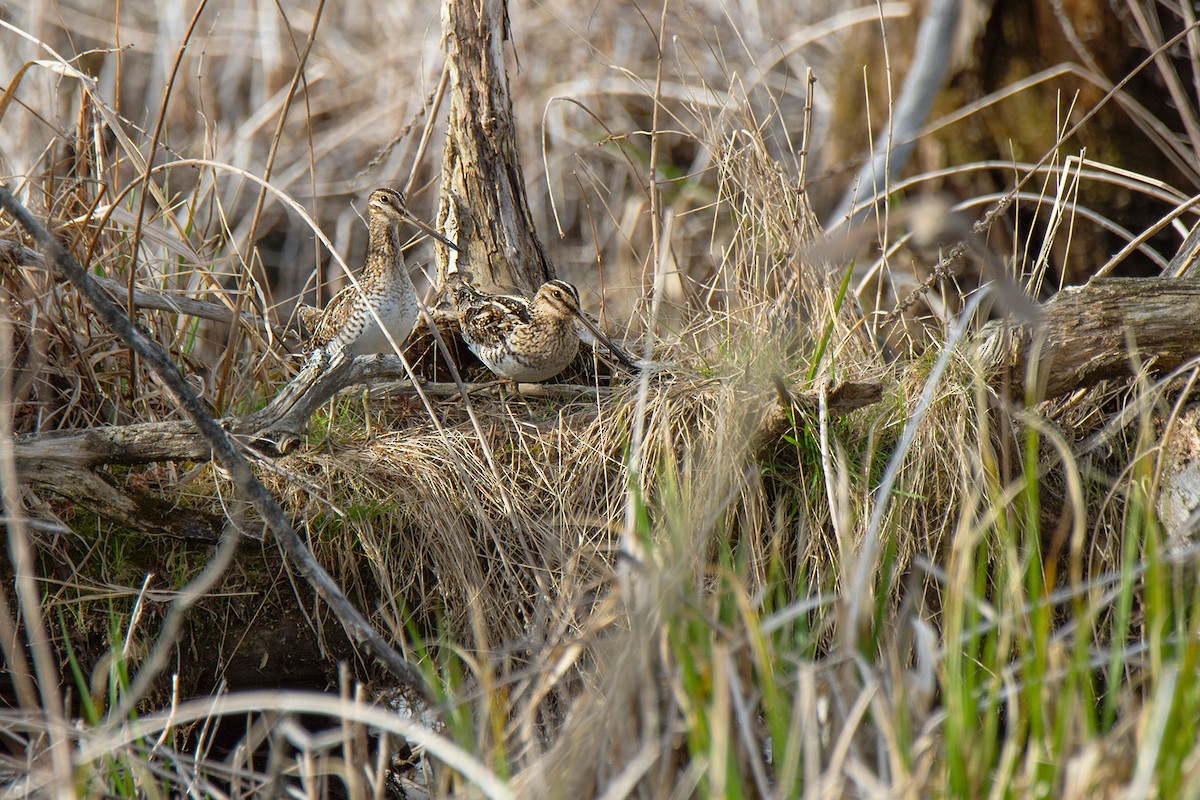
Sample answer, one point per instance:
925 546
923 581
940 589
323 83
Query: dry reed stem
20 553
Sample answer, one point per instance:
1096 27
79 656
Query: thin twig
630 545
29 595
256 217
931 56
982 226
172 625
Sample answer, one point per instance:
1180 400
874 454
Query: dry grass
644 590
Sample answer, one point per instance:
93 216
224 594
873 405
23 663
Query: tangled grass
671 584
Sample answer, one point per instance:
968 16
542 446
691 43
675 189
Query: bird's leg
515 389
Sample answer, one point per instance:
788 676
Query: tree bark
1098 331
483 189
132 508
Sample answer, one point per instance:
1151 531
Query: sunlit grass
749 613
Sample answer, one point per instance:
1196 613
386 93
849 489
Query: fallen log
68 463
278 428
1087 334
1105 329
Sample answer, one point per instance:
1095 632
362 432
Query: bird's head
558 298
390 207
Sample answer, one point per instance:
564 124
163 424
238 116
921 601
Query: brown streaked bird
525 340
347 323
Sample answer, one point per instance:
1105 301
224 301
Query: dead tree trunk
482 184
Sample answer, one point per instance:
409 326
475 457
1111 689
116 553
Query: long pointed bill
424 228
617 352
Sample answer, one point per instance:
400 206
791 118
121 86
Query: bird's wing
493 318
333 318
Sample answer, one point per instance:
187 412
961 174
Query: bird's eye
385 199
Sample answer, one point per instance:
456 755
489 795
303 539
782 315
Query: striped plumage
383 286
521 339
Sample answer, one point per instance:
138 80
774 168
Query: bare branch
279 427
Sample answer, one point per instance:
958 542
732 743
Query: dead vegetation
825 547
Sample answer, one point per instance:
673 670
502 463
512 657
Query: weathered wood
127 445
1097 332
483 186
841 399
279 428
132 508
67 463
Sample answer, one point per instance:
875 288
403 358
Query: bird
525 340
347 323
